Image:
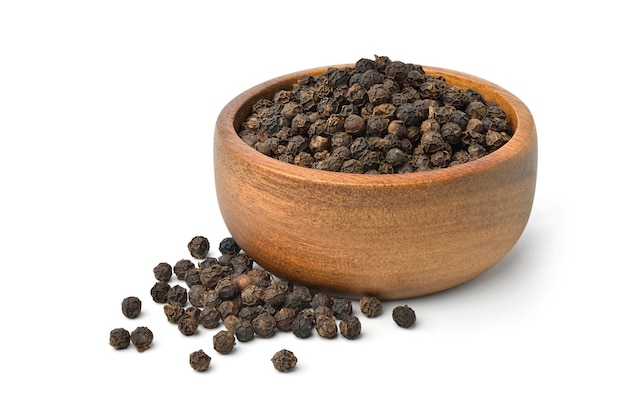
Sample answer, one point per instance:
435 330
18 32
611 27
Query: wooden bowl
392 236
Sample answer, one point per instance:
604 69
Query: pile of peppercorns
233 292
379 117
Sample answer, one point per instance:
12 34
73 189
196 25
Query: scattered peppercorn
199 247
224 342
119 338
371 306
404 316
131 307
162 272
199 361
229 246
141 337
284 360
326 326
350 327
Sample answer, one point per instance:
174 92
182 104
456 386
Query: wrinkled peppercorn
199 361
404 316
131 307
141 337
243 330
326 326
264 325
199 247
159 292
173 312
302 325
181 267
119 338
229 246
177 294
224 342
350 327
284 360
371 306
341 307
162 272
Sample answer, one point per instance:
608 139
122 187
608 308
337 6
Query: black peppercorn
264 325
188 322
350 327
159 292
243 330
210 318
131 307
199 361
302 325
177 294
199 247
284 360
341 307
284 318
181 267
224 342
173 312
162 272
371 306
326 326
141 338
229 246
404 316
119 338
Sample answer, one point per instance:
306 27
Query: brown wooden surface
393 236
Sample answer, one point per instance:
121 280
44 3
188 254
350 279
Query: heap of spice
377 117
246 301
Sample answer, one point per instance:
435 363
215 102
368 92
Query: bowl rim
519 115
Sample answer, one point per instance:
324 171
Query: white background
107 112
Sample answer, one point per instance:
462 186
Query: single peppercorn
404 316
119 338
341 307
350 327
181 267
199 361
326 326
177 294
370 306
210 318
230 321
159 292
141 337
199 247
131 307
173 312
224 342
162 272
284 360
302 325
284 318
264 325
243 330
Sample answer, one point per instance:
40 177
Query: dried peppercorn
264 325
284 318
141 337
196 295
350 327
404 316
321 299
119 338
199 247
243 330
177 294
162 272
181 267
371 306
229 246
224 342
173 312
284 360
230 321
199 361
188 322
326 326
159 292
131 307
210 318
341 307
302 325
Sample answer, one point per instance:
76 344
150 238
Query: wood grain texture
393 236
